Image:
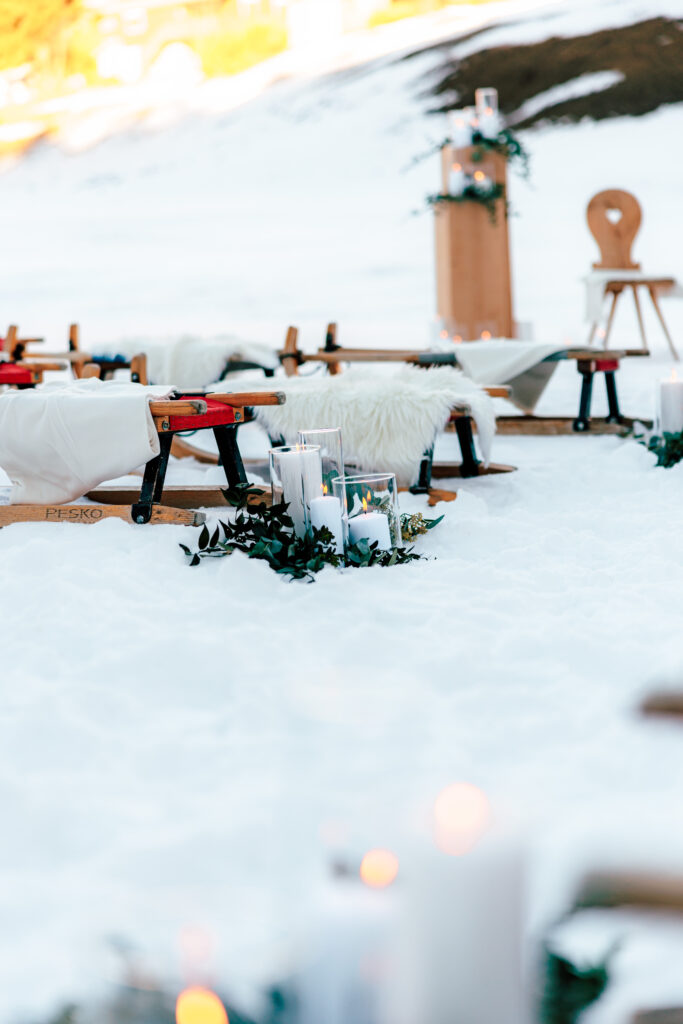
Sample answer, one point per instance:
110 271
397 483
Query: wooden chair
217 412
614 219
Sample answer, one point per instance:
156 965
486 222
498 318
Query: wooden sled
18 350
587 364
333 355
217 412
16 372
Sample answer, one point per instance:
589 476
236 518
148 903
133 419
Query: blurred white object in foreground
460 941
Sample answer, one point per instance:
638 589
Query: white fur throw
189 362
388 420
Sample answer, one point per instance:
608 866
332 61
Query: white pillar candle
326 511
371 526
671 405
460 130
301 477
456 180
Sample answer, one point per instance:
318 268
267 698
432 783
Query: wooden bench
188 411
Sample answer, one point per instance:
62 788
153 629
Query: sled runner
217 412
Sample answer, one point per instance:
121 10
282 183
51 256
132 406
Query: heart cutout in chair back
614 216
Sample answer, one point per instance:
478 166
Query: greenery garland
668 448
268 533
505 142
488 197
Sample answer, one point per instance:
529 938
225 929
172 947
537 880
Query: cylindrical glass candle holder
296 478
370 508
329 440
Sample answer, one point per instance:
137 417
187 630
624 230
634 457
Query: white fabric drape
61 440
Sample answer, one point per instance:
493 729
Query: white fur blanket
189 362
388 420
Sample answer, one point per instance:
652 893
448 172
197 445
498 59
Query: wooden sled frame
18 351
218 412
333 355
587 365
17 372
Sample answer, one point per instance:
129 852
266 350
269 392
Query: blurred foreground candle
456 180
349 966
370 526
460 945
326 511
671 405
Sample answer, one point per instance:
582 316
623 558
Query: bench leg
424 480
582 421
614 415
470 462
231 460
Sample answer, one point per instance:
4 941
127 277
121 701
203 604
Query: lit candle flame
486 335
488 111
443 334
199 1006
457 167
457 338
479 175
379 868
324 488
674 375
365 505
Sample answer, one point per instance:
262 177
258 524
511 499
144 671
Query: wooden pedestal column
474 292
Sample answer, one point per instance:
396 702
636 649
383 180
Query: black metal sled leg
141 511
582 421
424 480
470 462
612 399
231 460
165 442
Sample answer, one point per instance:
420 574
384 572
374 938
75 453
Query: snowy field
191 747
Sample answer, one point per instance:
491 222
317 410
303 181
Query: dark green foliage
569 989
268 534
505 142
472 193
668 448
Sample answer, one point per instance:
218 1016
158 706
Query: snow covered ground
180 746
